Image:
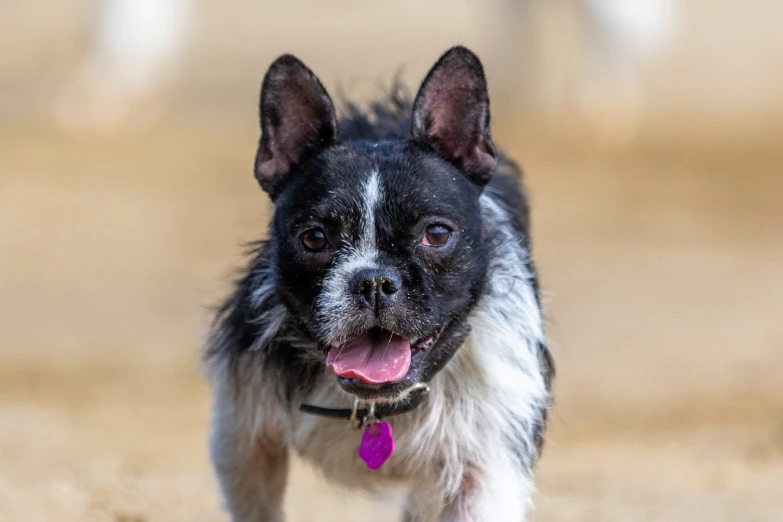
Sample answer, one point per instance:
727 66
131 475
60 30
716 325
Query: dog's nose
376 287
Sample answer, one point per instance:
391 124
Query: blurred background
652 136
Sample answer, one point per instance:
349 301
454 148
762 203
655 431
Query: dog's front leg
496 494
252 472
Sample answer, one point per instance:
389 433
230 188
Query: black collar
361 415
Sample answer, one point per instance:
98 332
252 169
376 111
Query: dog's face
379 246
379 252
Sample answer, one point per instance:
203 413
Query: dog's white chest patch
332 445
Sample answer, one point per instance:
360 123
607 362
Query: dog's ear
297 120
451 114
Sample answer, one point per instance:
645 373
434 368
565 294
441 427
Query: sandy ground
664 288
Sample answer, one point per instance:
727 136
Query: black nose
376 287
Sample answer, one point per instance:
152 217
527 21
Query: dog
389 330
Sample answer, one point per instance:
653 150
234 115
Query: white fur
455 450
373 195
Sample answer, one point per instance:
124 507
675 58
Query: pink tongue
375 359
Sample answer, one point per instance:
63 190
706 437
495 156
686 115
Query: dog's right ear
297 120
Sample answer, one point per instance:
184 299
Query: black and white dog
393 313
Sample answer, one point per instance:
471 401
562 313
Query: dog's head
379 248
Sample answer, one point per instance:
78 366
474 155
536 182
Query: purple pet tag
377 444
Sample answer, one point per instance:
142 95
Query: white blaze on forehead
371 196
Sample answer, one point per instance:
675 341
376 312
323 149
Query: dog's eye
436 235
314 239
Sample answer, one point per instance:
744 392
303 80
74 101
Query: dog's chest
451 429
332 445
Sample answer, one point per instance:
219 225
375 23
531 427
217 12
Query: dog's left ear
451 114
297 121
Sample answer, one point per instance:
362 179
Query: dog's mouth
377 356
